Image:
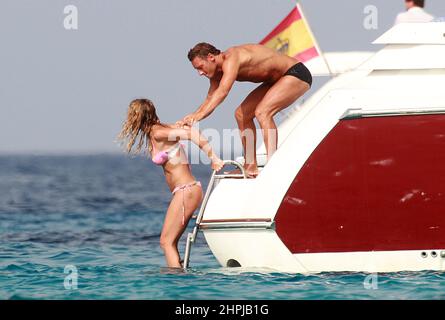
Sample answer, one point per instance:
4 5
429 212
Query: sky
67 91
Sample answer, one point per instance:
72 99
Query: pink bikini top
162 157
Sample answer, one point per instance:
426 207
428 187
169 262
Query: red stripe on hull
373 184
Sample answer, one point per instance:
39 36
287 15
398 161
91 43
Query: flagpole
305 21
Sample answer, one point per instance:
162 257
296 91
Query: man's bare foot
236 171
251 171
252 174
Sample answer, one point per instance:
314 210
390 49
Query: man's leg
244 115
281 95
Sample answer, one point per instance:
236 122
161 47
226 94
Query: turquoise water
102 216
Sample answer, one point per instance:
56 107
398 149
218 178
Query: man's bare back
258 63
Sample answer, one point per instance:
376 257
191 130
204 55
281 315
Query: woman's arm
175 133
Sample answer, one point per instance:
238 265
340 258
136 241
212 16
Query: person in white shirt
414 13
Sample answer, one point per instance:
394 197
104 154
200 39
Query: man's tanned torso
258 63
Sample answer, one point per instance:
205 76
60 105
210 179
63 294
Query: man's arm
218 90
230 73
214 84
190 118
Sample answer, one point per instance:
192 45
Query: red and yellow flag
293 37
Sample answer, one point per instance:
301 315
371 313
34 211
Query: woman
162 140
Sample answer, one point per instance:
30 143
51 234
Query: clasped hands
188 120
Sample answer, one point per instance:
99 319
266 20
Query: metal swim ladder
191 237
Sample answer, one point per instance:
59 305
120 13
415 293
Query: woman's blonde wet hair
141 116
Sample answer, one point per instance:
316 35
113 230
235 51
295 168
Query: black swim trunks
301 72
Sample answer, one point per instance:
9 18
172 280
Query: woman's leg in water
173 227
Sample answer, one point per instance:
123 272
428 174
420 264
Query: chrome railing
191 237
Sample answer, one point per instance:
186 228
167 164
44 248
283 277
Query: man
414 13
283 80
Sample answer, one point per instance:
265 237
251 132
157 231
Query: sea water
88 227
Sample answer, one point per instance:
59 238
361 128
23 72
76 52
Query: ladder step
231 176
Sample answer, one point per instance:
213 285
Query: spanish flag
293 37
